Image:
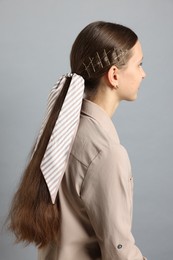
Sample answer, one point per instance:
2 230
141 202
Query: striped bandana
56 156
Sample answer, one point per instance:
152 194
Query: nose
143 73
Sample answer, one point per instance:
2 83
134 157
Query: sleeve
107 196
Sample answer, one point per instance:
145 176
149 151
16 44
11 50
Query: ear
112 76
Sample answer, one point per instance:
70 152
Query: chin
131 98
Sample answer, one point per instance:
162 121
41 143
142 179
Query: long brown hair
32 217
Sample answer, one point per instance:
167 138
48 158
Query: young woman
75 198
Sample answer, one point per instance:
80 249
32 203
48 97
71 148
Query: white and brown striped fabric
58 149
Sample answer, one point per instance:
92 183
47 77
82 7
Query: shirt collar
94 111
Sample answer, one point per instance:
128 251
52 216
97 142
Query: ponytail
32 217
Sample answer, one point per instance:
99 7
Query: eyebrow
140 60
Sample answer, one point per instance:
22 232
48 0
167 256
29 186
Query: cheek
128 79
128 86
133 79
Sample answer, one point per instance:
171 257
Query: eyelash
140 65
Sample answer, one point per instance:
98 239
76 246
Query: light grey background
35 41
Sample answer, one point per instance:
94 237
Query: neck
106 99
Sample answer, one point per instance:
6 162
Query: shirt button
119 246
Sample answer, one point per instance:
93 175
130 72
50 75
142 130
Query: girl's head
99 46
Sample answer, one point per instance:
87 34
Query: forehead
137 53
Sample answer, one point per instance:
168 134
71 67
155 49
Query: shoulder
91 140
109 170
112 159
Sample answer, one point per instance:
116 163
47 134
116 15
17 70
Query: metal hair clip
91 62
117 55
86 68
106 56
100 62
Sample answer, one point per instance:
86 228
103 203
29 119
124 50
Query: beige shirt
95 195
